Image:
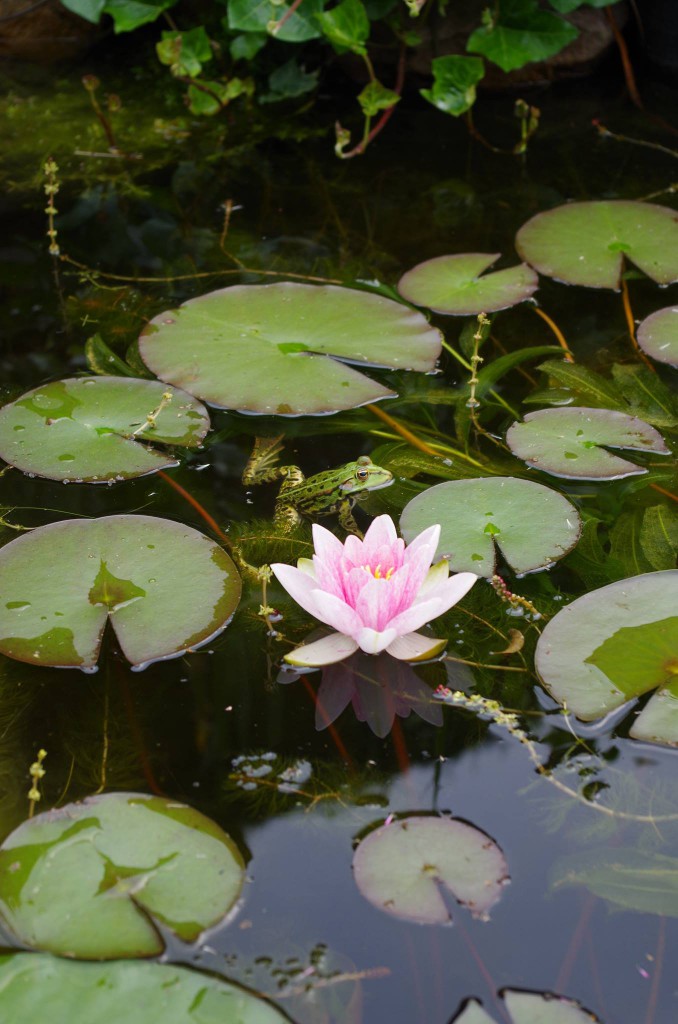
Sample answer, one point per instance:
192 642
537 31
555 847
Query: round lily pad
529 1008
614 644
402 867
165 587
266 348
90 880
95 429
452 284
585 243
37 986
531 525
658 335
567 442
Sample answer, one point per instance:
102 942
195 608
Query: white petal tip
415 647
331 648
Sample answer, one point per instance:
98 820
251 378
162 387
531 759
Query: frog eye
362 474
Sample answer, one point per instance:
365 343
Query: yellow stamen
377 573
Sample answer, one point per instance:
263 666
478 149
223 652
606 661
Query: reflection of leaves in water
271 783
318 986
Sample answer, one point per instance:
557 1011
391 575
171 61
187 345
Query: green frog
335 490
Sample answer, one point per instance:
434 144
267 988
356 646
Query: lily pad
452 284
266 348
586 243
531 525
95 429
402 867
568 442
91 879
529 1008
165 587
37 986
614 644
658 335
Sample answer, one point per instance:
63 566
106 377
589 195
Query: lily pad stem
187 496
631 324
556 330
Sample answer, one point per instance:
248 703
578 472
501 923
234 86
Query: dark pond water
303 934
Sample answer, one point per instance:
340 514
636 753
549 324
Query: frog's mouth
378 487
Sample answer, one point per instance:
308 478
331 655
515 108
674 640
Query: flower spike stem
515 600
36 772
509 720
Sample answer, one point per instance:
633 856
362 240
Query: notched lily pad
91 879
529 1008
568 442
531 525
452 284
96 430
403 868
267 348
614 644
658 335
37 986
585 243
165 587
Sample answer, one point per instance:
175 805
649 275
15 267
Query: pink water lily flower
374 592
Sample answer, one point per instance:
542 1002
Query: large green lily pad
90 880
165 587
585 243
658 335
95 429
265 348
40 987
568 442
614 644
401 868
531 525
452 284
529 1008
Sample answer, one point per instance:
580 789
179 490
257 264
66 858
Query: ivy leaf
247 45
90 10
130 14
185 52
454 83
288 81
210 97
263 16
346 26
521 34
376 97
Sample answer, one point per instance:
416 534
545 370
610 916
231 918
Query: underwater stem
631 324
556 330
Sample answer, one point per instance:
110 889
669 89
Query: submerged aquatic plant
374 592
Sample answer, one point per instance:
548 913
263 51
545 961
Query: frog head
362 475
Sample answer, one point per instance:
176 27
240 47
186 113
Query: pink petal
353 550
451 590
337 614
436 576
298 585
426 539
412 574
415 647
334 694
329 649
330 576
380 601
327 547
354 581
418 615
380 533
371 641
